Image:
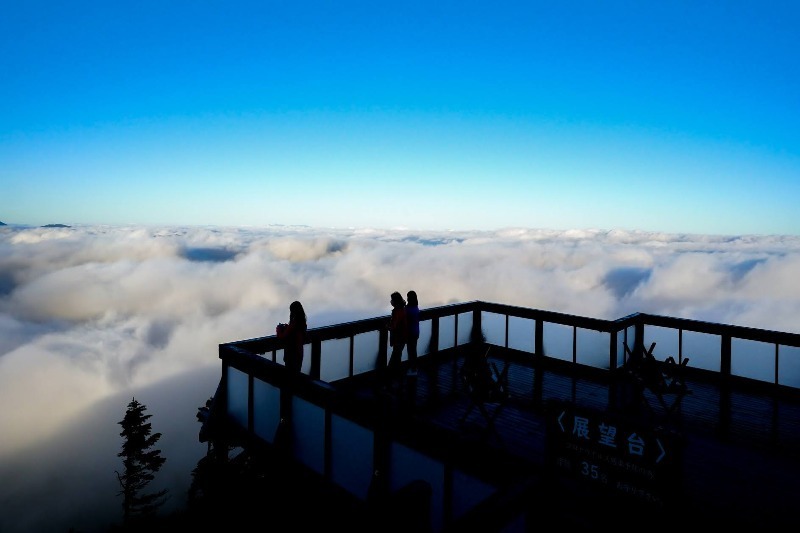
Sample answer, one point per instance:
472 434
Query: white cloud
88 314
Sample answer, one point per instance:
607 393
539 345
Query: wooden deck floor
736 471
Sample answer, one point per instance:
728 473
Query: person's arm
286 331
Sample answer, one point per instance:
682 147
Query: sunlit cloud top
103 309
91 316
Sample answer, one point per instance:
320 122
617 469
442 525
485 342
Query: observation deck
574 442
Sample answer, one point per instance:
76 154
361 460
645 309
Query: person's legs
293 362
393 367
412 355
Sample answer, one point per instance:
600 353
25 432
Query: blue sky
672 116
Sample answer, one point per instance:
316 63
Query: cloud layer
91 316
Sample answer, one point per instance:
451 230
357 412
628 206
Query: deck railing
722 351
350 448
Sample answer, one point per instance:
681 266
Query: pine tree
140 462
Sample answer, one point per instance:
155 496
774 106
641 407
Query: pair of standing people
403 332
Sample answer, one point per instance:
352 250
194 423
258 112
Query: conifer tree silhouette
140 462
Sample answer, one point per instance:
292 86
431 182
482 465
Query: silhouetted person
398 332
293 335
412 319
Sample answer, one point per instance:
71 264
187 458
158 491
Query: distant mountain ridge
45 226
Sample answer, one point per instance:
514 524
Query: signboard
625 456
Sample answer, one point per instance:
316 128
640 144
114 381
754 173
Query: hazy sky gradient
92 316
676 116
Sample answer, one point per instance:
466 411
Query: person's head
412 298
397 299
296 312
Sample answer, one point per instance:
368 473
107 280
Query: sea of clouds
92 316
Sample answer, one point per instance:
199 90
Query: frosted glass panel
494 328
266 409
335 361
447 331
238 389
753 359
666 340
308 434
465 322
702 349
424 342
621 338
789 366
365 351
306 368
522 334
409 465
592 348
351 456
557 341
